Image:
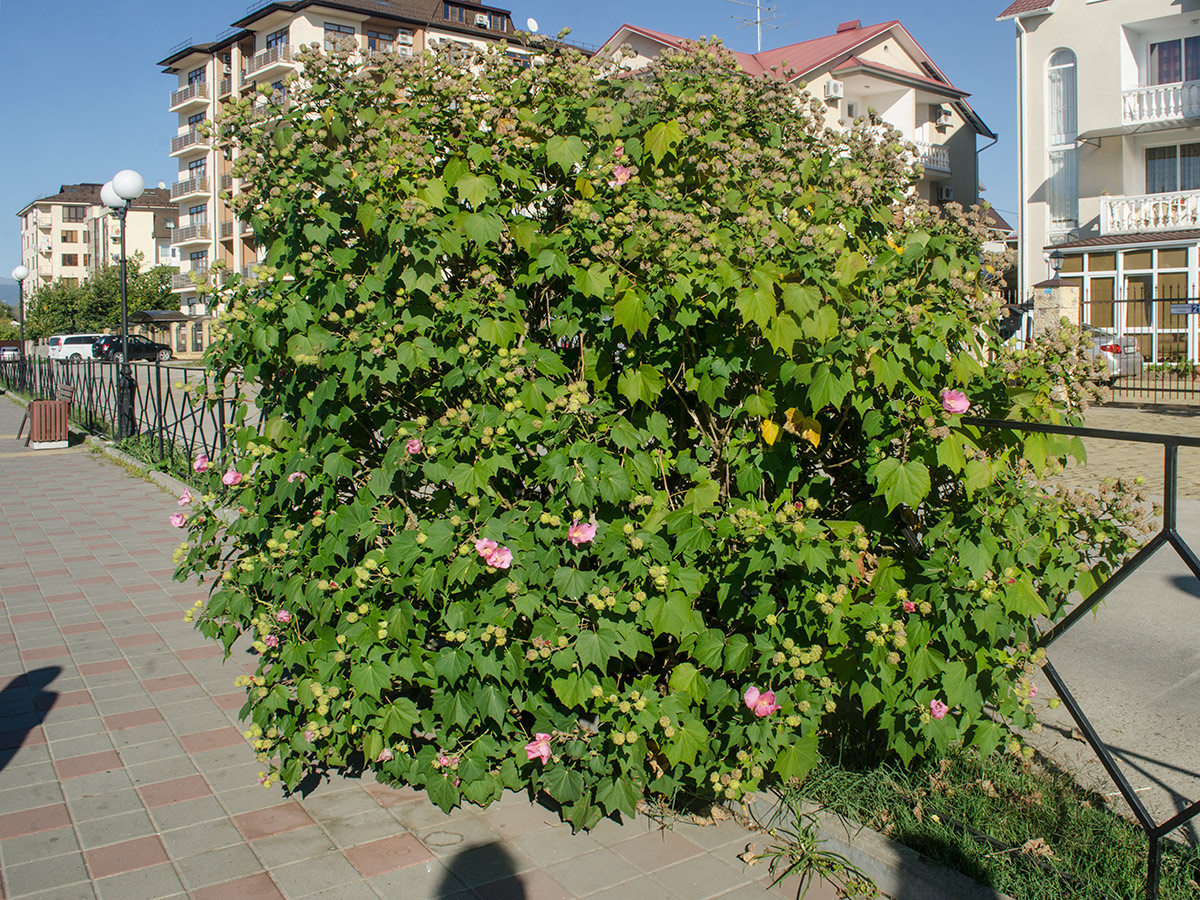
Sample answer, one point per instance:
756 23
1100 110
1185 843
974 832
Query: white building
860 67
1108 101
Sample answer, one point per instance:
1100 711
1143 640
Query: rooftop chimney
850 26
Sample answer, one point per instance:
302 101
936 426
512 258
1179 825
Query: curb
897 871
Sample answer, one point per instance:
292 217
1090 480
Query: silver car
1121 355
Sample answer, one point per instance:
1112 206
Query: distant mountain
8 291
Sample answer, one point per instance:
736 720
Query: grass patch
1028 831
176 463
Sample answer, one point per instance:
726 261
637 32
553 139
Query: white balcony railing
182 281
193 92
280 55
1150 212
933 156
1161 103
190 234
191 138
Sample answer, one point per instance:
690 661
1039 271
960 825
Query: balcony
268 62
192 97
249 272
189 142
184 281
190 187
225 231
225 86
191 234
1150 212
933 157
227 182
1161 103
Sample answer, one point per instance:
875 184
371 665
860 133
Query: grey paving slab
40 875
154 883
217 865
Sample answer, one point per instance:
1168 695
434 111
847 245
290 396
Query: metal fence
169 400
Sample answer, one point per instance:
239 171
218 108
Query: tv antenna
763 15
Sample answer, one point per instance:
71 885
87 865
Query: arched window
1062 126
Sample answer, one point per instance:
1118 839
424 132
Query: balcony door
1174 61
1173 168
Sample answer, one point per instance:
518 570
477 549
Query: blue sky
83 97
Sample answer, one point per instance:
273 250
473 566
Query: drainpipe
1022 207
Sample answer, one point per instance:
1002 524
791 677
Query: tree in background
64 308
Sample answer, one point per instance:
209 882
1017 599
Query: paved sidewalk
124 774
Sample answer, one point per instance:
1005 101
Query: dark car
109 348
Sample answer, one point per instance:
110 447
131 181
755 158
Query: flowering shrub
609 439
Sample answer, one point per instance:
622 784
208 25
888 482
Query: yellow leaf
810 430
770 432
584 187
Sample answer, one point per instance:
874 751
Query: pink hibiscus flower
231 477
909 606
500 558
178 520
271 641
539 748
955 402
762 704
384 755
581 533
413 446
620 176
201 463
283 616
485 548
938 709
185 498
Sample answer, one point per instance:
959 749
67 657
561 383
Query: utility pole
763 15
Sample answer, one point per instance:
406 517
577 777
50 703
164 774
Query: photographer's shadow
24 702
487 869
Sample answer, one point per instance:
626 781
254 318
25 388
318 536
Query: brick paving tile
211 740
387 855
255 887
127 856
167 683
91 764
131 719
59 652
178 790
116 606
67 699
273 820
32 821
32 617
232 700
14 740
103 667
194 653
82 628
164 617
99 579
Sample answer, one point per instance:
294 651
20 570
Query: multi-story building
1108 100
71 234
858 68
258 50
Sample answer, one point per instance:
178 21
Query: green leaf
848 267
595 648
886 370
491 702
662 138
756 305
630 313
798 758
783 333
899 482
474 189
483 229
617 795
802 300
1021 598
641 385
370 677
565 152
691 737
594 280
562 783
443 793
686 679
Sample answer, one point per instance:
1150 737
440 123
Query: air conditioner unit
227 69
834 90
945 193
941 115
483 20
405 38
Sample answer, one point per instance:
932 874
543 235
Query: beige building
71 234
258 49
880 67
1108 101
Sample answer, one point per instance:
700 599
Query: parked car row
71 347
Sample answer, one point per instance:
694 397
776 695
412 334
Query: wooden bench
47 420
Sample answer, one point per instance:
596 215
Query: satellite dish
531 24
162 185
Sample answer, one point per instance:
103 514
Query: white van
71 346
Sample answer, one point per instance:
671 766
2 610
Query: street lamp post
19 274
125 187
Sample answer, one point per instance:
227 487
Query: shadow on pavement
1187 583
487 868
24 702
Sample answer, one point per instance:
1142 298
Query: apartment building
258 50
71 234
1108 100
858 68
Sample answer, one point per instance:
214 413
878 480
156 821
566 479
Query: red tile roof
808 55
1021 7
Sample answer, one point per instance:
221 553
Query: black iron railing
169 400
1155 831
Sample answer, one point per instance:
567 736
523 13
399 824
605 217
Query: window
1175 61
197 168
195 120
520 60
74 213
199 259
381 42
452 13
86 260
198 215
1062 173
85 237
68 237
197 337
277 38
70 259
335 33
196 76
1171 169
70 282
